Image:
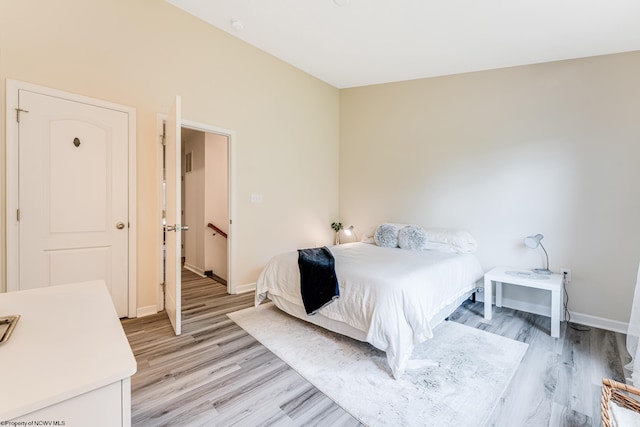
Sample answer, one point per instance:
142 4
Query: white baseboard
599 322
146 311
241 289
196 270
153 309
579 318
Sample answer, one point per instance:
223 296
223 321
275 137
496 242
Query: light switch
256 198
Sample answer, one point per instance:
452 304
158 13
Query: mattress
389 297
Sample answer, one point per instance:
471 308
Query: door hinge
17 214
163 137
18 111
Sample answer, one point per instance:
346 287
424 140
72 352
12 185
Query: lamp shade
349 230
533 242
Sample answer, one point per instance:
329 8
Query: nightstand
527 278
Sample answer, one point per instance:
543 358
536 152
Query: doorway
207 201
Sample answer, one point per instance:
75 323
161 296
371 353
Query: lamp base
542 271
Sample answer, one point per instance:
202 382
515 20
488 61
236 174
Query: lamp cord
567 314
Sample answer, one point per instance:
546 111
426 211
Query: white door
173 228
72 195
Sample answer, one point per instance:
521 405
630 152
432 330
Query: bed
390 297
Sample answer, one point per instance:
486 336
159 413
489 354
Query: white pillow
367 236
440 247
386 235
461 240
412 237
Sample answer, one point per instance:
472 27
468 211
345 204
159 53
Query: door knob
185 228
120 225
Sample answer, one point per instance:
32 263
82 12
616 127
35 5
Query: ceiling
366 42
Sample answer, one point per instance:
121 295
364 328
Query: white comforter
390 294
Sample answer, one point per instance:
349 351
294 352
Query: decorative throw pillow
386 235
412 237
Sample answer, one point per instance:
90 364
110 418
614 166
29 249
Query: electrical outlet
566 272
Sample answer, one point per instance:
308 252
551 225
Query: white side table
515 276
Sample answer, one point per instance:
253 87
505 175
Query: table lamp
533 242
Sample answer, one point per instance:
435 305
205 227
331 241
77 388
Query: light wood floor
215 374
559 380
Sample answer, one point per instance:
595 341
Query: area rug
454 379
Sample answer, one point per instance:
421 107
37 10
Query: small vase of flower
337 226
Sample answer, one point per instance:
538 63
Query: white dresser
68 361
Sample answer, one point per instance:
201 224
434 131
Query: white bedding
389 294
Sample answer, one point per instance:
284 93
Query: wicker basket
618 393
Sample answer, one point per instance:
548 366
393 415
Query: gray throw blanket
318 282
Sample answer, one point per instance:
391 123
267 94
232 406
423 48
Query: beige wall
194 203
216 203
142 53
551 148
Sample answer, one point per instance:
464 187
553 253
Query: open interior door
173 228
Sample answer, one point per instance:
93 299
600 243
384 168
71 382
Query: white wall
551 148
206 201
194 204
216 203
